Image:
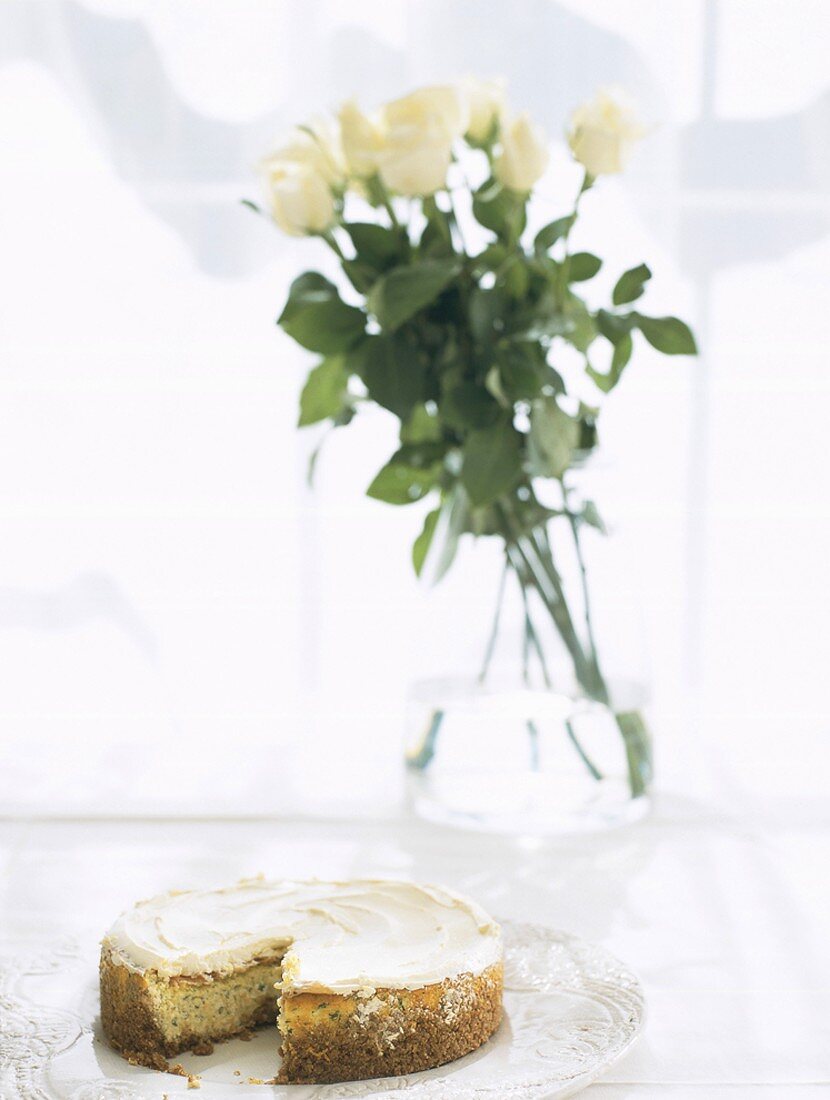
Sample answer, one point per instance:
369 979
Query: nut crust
389 1032
326 1037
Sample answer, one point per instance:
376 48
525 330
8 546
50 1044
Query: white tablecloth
724 917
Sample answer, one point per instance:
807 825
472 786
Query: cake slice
368 978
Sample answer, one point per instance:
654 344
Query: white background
183 625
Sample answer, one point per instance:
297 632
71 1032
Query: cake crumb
255 1081
194 1081
150 1061
203 1048
237 1073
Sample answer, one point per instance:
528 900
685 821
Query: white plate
571 1009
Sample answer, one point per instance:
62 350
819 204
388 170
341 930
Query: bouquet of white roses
464 345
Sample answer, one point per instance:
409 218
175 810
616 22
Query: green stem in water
586 760
547 584
586 666
583 574
426 750
637 750
491 643
533 732
531 636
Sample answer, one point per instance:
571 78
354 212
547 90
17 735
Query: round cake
368 978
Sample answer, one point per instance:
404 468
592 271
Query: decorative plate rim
535 1055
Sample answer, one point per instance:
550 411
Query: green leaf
492 462
492 257
582 266
404 291
590 515
492 382
392 372
424 454
619 360
324 392
522 370
455 514
486 308
588 434
406 477
612 327
362 276
501 211
420 548
582 328
545 325
622 354
422 426
549 234
469 405
376 246
668 334
630 285
516 279
554 436
436 239
318 319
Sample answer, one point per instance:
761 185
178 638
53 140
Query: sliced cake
368 978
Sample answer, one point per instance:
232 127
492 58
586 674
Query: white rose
361 139
442 105
317 147
299 198
602 133
418 132
524 154
485 104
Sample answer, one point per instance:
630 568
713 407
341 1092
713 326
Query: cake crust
326 1037
127 1011
387 1032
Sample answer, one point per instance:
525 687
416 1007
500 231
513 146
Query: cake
368 978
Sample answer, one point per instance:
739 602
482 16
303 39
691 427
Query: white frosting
337 936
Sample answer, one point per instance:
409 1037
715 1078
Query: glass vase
548 734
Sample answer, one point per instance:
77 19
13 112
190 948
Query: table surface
723 915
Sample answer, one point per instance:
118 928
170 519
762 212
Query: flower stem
548 585
564 270
386 202
587 670
491 643
452 217
583 574
421 758
532 637
330 239
584 757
